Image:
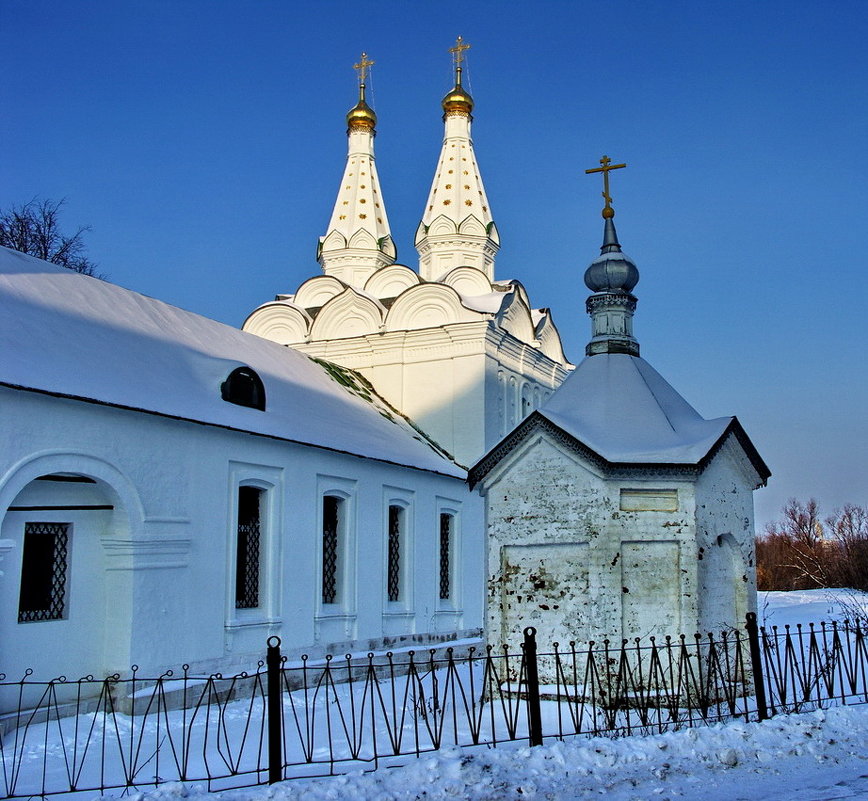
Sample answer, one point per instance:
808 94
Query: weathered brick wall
582 557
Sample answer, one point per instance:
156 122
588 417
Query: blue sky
203 142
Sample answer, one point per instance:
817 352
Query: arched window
333 515
248 548
244 387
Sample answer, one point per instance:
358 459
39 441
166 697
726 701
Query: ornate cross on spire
605 166
362 68
458 56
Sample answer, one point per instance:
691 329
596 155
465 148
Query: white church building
175 490
461 353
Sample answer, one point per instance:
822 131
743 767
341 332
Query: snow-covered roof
624 410
621 409
72 335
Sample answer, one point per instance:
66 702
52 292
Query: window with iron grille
247 548
331 511
44 568
393 572
445 556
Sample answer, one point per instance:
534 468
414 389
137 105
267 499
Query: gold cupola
361 116
458 99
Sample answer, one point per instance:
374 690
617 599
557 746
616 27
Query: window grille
445 567
394 566
330 507
44 569
248 544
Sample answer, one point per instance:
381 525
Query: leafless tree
803 551
806 550
34 228
849 527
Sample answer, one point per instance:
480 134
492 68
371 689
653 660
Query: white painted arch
391 281
428 306
281 321
318 291
348 315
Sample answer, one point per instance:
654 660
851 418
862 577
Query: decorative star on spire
605 167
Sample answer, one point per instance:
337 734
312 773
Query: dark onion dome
612 270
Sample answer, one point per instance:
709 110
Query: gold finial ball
608 213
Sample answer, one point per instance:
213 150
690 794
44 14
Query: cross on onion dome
605 167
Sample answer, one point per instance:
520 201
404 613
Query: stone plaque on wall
649 500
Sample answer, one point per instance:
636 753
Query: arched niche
387 246
364 240
468 281
514 317
280 321
391 281
471 225
348 315
428 306
334 241
317 291
493 233
442 226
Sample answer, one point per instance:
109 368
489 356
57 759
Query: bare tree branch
34 228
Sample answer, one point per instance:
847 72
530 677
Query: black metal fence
291 720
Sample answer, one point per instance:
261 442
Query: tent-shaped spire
358 241
457 228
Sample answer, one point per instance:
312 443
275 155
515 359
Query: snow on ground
803 606
817 756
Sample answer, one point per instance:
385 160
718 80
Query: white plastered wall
164 567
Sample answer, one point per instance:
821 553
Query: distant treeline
805 551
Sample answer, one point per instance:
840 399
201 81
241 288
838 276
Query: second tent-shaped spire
457 228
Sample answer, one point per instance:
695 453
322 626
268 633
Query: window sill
398 612
338 614
252 622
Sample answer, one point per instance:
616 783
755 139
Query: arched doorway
64 610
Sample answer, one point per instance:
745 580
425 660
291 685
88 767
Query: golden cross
362 67
605 166
458 52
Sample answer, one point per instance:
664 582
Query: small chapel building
616 510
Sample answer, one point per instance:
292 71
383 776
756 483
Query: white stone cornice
146 554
